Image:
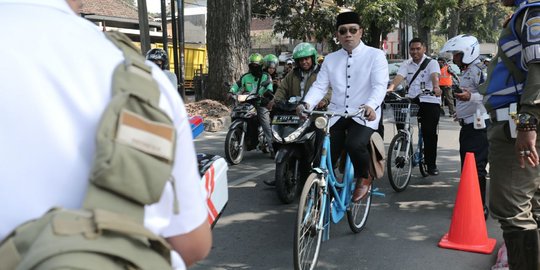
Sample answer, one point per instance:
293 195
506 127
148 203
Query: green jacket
248 83
290 86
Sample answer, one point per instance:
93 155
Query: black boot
522 247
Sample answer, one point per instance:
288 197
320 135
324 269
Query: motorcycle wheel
234 152
286 184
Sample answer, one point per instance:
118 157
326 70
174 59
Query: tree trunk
228 43
374 33
423 29
455 18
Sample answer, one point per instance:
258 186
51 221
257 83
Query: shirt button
348 86
348 66
349 76
347 96
346 106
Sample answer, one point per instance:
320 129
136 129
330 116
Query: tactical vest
507 75
133 162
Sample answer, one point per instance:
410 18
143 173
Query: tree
228 44
299 19
379 17
483 19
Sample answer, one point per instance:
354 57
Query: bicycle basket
399 111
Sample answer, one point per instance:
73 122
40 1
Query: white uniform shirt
356 79
470 79
56 82
409 68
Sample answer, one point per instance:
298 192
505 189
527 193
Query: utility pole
181 47
175 44
144 28
165 38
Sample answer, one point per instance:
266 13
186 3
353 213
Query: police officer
52 168
511 98
470 111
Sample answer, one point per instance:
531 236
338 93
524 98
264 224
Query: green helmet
256 58
304 50
270 60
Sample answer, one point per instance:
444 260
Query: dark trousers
429 119
348 134
476 141
448 98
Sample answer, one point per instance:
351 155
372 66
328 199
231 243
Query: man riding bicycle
358 76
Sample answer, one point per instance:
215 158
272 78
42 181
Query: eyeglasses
352 30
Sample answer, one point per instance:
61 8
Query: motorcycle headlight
293 136
321 122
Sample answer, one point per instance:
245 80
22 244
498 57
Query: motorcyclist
160 58
270 65
260 82
298 81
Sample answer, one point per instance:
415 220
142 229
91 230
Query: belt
469 120
500 115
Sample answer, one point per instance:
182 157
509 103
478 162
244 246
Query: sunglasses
344 30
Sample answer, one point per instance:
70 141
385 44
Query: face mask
256 70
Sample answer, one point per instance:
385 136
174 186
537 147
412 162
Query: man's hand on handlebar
230 96
369 113
300 110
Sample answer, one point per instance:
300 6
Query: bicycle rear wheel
399 163
307 235
358 212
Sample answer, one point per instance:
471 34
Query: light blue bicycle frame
341 192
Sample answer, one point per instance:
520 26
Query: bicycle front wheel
308 235
399 162
358 212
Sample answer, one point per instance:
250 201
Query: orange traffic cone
468 228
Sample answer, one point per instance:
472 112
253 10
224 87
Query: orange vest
446 78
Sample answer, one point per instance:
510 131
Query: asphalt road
402 231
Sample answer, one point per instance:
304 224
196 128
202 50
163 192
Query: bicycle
324 199
401 156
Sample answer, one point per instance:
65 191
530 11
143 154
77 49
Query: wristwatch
525 122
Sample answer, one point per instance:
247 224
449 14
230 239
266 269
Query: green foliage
298 19
378 17
482 19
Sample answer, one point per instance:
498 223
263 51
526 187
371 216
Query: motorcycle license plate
285 120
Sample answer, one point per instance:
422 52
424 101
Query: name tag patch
145 135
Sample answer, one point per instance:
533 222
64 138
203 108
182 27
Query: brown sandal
361 189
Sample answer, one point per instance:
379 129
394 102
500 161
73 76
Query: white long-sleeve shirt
356 79
55 87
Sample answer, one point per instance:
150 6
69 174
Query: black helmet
158 54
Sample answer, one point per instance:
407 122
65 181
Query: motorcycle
294 142
245 132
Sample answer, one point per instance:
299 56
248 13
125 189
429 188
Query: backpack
134 159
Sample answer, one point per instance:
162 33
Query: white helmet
466 44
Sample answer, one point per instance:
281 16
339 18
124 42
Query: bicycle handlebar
359 113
